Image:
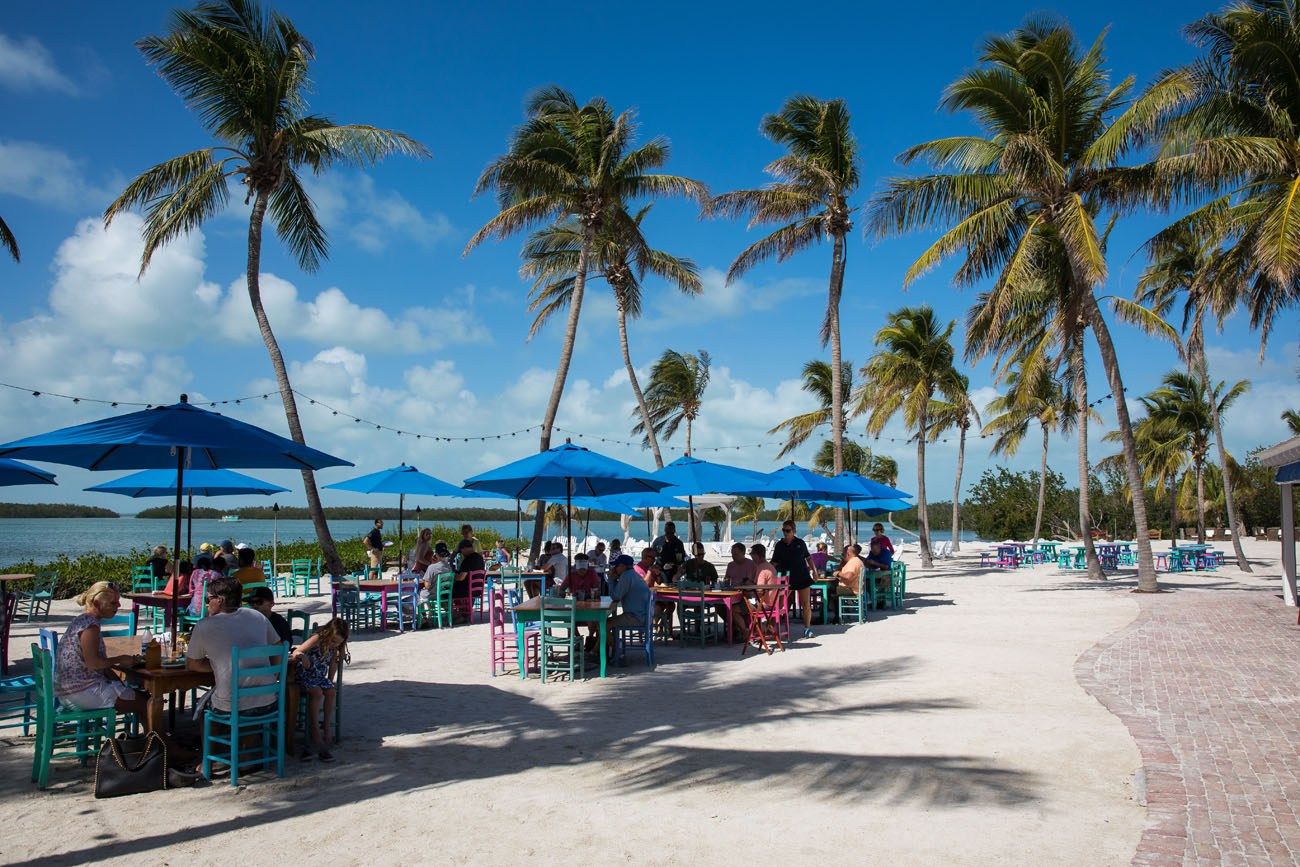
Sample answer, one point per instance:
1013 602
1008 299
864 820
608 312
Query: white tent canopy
1285 456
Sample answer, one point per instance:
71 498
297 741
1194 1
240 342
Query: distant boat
228 518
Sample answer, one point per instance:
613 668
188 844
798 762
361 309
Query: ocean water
43 539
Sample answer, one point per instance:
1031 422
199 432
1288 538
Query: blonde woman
422 553
82 680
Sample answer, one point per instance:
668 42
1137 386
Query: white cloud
27 65
671 309
351 203
47 176
332 317
101 297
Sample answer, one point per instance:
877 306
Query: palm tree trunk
922 513
1200 501
1090 560
1228 497
956 491
650 436
831 332
1147 580
1173 516
562 372
323 538
1042 489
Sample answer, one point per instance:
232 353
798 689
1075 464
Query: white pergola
1285 457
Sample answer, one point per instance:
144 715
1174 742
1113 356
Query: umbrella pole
568 519
690 504
401 502
176 549
517 531
586 531
189 525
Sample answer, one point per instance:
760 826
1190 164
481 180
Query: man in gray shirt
631 592
228 626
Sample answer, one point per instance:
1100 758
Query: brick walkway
1205 680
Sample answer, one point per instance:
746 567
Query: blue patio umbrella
564 471
403 480
204 483
18 473
631 504
179 435
690 476
793 482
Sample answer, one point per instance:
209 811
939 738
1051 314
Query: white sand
952 733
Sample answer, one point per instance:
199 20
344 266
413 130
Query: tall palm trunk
1228 497
1173 516
833 293
1199 463
323 537
636 386
1042 489
922 513
956 488
1147 580
1085 515
562 372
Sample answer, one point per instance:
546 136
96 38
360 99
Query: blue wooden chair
854 608
406 598
226 733
642 635
18 699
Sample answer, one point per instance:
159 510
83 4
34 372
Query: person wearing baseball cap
631 592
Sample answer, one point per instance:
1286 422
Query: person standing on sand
790 555
670 550
375 543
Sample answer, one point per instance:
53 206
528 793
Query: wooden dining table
165 680
157 599
727 596
588 611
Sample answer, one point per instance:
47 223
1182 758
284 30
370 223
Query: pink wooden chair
504 644
465 604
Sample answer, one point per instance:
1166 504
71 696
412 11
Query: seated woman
500 556
819 558
422 553
158 563
81 677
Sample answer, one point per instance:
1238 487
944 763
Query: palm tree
570 161
960 413
1183 403
818 381
244 72
1031 396
622 257
748 509
1166 462
810 197
676 393
1183 265
857 459
1022 200
914 362
8 241
1292 419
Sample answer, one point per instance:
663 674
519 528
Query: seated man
583 582
469 561
631 592
262 600
247 573
697 568
877 562
850 571
740 573
228 626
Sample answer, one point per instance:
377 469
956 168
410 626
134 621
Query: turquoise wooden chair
299 634
17 695
854 608
36 602
227 734
358 609
643 636
695 613
118 625
142 580
438 606
80 731
405 598
559 637
187 620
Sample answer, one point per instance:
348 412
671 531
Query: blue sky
399 327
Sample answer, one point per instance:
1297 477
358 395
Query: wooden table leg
154 719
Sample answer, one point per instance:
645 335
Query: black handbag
129 766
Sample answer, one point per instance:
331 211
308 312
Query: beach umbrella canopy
690 476
178 435
871 489
198 483
629 504
793 482
403 480
18 473
150 439
203 483
564 472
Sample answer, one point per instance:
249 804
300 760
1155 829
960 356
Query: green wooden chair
560 637
360 611
35 603
187 620
695 613
299 633
437 607
300 577
897 585
142 580
854 608
81 731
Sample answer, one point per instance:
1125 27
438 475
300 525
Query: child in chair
318 659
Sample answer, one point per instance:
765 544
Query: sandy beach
954 731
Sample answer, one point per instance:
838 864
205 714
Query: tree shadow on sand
404 736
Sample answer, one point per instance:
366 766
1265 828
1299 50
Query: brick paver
1205 680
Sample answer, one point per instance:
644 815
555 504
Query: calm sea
43 539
